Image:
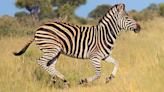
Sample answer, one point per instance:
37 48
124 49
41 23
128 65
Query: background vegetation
97 13
140 56
26 23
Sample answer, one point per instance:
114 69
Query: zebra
95 43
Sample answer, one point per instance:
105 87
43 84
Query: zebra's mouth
137 30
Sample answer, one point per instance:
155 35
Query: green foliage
83 21
63 12
33 6
10 26
161 9
144 15
99 11
66 7
47 12
21 14
5 25
73 3
152 7
77 20
44 8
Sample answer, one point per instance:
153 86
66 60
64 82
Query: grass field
140 57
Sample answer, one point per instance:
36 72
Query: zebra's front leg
111 60
97 67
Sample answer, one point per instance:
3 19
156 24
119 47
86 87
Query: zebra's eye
126 17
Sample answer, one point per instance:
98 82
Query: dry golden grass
140 56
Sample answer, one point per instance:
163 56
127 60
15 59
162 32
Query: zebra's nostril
138 27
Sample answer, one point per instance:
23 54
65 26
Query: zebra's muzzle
138 28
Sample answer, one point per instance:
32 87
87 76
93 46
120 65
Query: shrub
161 9
144 15
21 14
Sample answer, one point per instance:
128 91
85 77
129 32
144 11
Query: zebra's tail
24 49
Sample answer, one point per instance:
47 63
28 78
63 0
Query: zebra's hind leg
47 62
111 60
97 67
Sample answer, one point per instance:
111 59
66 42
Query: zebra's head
125 21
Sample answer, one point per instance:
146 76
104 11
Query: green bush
82 21
21 14
99 11
161 9
12 26
144 15
74 19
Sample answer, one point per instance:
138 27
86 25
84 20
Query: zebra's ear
121 7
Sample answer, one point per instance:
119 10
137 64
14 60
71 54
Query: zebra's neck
107 31
109 27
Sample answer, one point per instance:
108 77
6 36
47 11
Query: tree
66 7
33 6
161 9
73 3
99 11
44 8
21 14
46 12
152 7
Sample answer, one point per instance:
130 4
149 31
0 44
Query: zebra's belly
75 55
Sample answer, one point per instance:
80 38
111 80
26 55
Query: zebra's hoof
67 84
53 79
108 79
54 82
82 81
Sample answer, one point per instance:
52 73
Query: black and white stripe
95 43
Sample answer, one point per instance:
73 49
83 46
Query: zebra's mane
111 9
